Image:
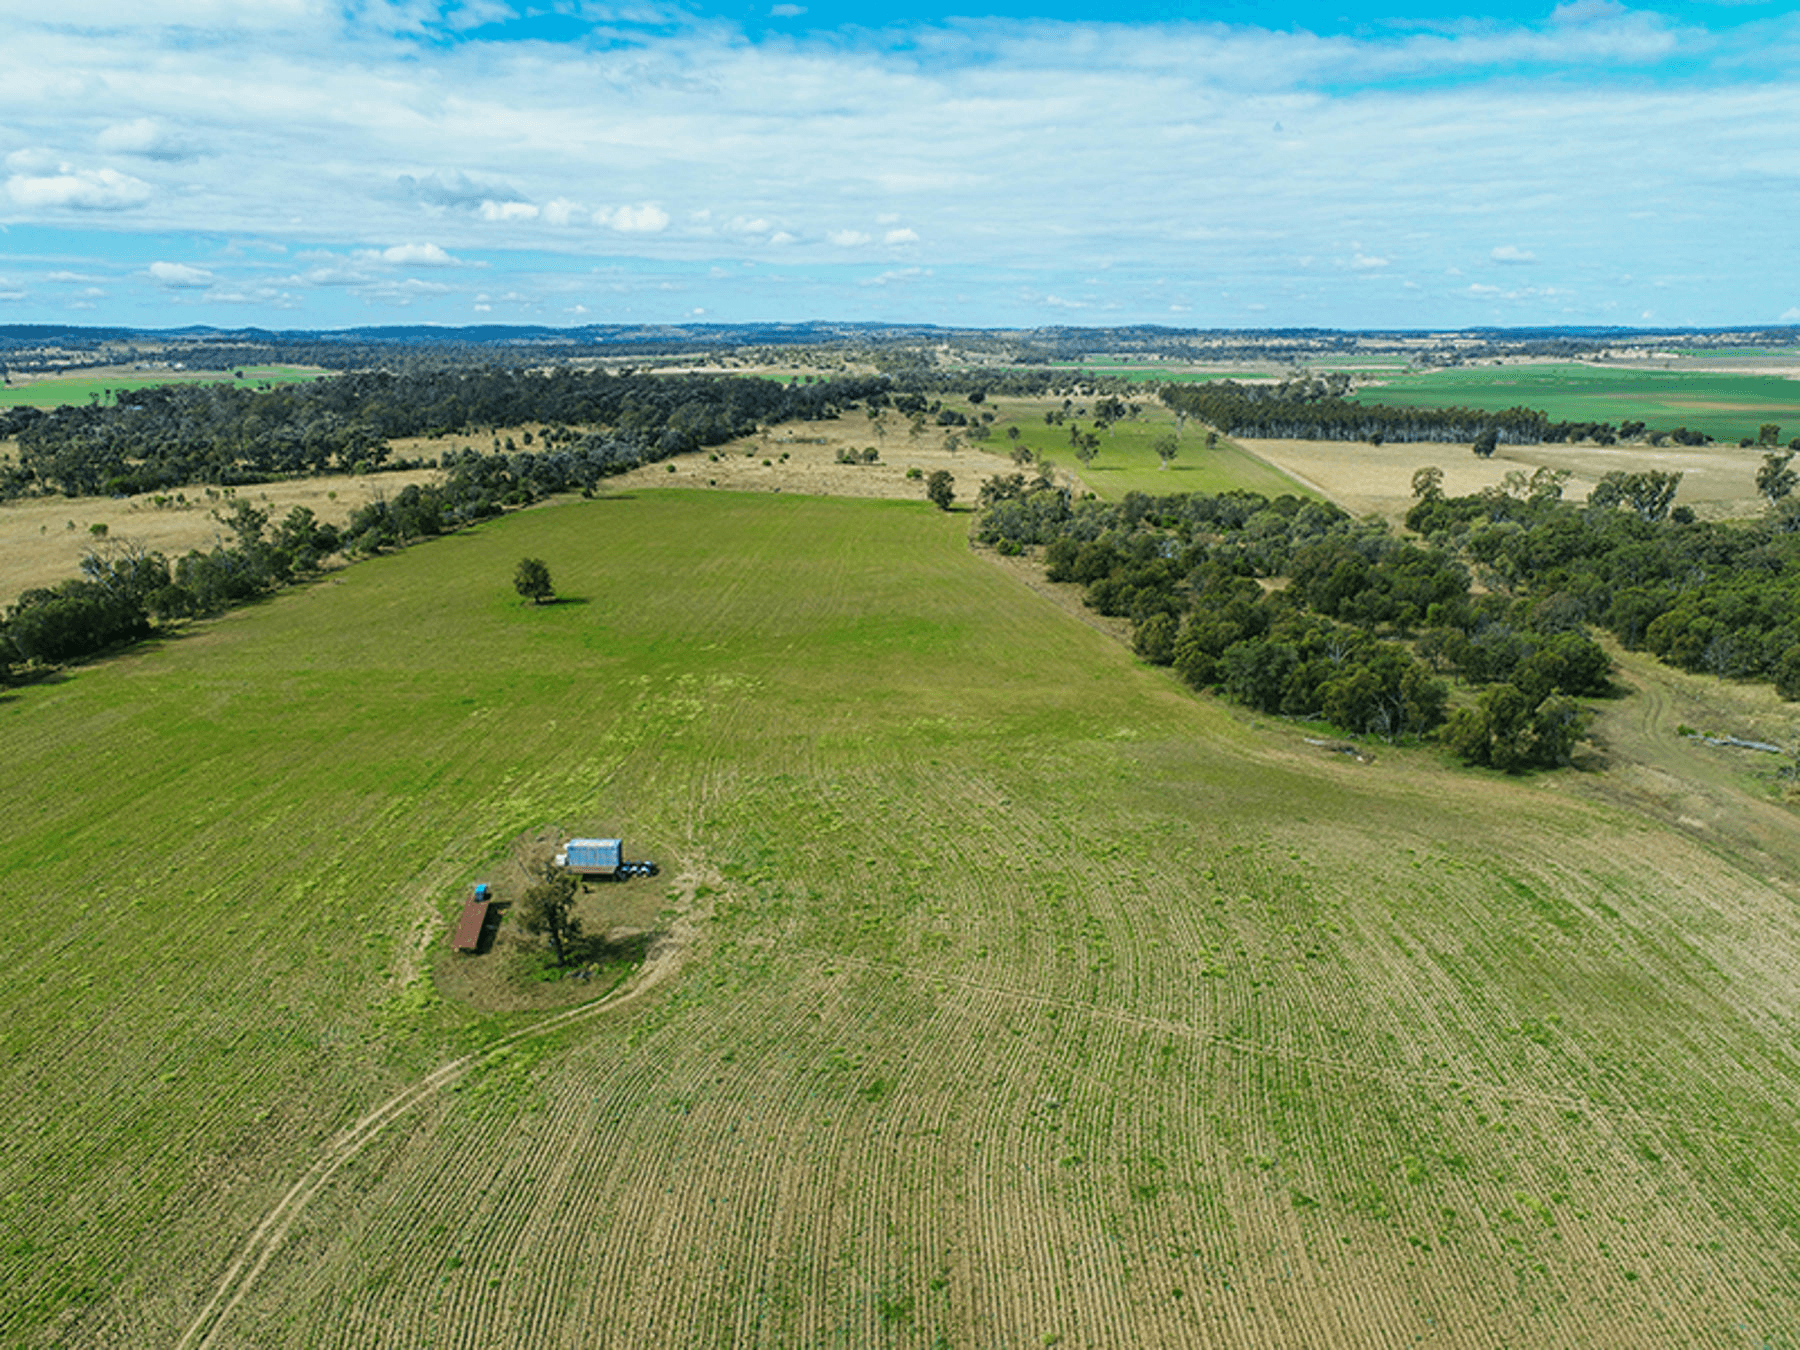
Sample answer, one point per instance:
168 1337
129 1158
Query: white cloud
141 136
179 276
645 219
491 210
325 122
1790 315
896 274
13 295
414 255
79 190
785 11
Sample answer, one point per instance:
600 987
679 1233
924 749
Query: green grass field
63 390
1726 407
1126 461
1026 998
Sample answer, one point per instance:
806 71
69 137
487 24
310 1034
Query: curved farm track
240 1277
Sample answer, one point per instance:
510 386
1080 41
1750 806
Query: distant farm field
105 386
1726 406
1001 991
1717 481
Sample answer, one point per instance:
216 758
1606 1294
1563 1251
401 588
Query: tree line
1315 408
225 434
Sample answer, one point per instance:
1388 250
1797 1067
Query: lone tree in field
547 909
1775 479
532 580
1428 484
1166 447
1486 443
940 487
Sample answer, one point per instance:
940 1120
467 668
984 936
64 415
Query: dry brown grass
811 467
1718 481
43 539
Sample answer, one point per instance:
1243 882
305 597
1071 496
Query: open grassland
1725 405
1002 992
1126 460
105 386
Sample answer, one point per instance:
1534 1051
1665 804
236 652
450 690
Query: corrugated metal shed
592 856
468 931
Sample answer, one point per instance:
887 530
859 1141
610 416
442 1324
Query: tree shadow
593 952
490 927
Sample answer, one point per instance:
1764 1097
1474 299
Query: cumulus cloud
414 255
179 276
900 237
847 238
560 211
79 190
1511 254
645 219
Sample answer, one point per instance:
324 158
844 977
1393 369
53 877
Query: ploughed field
1003 992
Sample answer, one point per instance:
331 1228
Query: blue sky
299 164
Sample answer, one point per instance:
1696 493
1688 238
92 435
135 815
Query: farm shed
474 920
592 857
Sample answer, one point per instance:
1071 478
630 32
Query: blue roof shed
592 857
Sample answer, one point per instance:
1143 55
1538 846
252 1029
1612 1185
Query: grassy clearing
105 386
1726 406
1126 461
1028 996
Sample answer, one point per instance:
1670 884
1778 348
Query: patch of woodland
1289 606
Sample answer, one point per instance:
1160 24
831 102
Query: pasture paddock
1013 995
43 539
104 384
1725 404
1718 482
